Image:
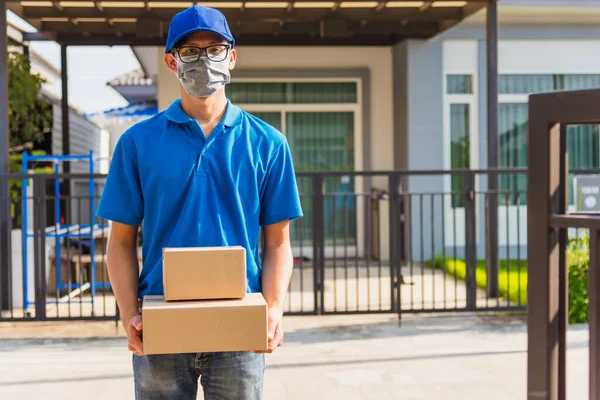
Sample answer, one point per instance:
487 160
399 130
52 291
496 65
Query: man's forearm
277 271
123 271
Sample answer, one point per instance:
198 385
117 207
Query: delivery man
201 173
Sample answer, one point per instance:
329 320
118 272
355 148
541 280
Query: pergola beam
246 34
381 30
130 39
375 14
347 23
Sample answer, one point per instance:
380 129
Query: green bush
577 260
512 278
29 115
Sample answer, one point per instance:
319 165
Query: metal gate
407 242
56 269
551 222
369 242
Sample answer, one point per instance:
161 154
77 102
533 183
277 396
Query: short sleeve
280 198
121 200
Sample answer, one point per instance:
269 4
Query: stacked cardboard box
205 307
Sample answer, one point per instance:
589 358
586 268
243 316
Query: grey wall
425 104
84 137
524 32
418 142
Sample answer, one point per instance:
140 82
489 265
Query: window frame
474 141
469 76
472 100
283 108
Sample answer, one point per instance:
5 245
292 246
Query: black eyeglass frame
176 51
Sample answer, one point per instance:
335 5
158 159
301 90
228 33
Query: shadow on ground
409 326
63 344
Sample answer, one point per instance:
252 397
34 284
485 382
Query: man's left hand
275 330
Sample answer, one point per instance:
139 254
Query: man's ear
232 59
171 62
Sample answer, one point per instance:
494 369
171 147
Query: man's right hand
133 329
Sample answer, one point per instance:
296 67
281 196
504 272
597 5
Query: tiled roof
142 109
133 78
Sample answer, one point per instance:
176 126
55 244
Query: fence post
5 214
394 221
318 236
39 245
543 331
470 240
546 222
563 286
594 308
491 257
5 245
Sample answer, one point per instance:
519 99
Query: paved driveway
357 357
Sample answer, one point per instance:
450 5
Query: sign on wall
587 193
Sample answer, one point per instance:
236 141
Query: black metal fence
370 242
56 269
407 242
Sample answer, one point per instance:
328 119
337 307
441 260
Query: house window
291 92
459 84
459 148
460 134
583 142
512 149
526 84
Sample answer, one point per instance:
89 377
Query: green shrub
515 278
512 277
577 260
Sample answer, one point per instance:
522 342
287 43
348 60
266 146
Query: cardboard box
205 325
198 273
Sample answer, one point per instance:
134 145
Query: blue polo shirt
190 191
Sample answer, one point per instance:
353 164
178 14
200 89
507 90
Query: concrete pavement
341 357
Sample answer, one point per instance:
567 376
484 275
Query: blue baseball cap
197 19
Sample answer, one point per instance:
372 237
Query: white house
421 104
378 86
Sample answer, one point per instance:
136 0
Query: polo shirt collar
232 117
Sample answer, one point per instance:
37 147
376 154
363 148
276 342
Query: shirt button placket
206 145
199 165
203 140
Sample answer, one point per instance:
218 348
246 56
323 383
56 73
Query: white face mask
203 78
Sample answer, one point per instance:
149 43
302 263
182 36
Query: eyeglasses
191 54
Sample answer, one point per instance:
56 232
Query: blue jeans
224 376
